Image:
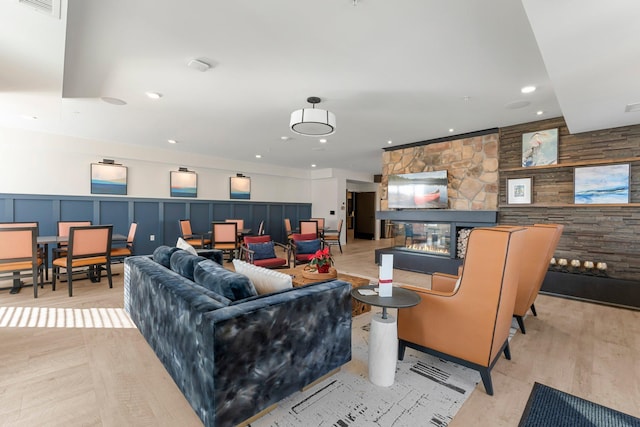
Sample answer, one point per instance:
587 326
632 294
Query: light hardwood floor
104 373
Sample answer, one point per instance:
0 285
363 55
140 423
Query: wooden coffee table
357 307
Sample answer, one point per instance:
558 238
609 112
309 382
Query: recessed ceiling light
322 141
258 156
172 141
313 165
285 138
451 129
113 101
389 142
539 112
528 89
153 95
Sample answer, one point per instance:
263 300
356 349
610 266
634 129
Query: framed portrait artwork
240 187
519 191
184 184
540 148
601 184
108 178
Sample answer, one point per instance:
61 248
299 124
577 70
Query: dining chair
127 250
89 250
308 226
18 254
42 250
287 227
240 223
333 237
195 240
224 237
320 222
63 231
261 228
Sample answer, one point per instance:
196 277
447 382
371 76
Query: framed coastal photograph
240 187
108 179
184 184
601 184
519 191
540 148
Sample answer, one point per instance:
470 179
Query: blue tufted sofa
233 359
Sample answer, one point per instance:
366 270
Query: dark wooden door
365 215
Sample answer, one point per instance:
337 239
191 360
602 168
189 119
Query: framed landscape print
108 179
540 148
519 191
601 184
184 184
240 187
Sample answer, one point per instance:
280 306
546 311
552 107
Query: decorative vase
323 268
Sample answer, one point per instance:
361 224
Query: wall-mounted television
422 190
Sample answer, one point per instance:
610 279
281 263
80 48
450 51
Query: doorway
364 215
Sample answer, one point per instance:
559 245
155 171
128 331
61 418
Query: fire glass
432 238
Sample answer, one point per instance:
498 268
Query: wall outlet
152 237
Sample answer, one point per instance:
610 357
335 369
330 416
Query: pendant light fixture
313 121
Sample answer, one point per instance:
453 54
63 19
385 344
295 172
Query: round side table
383 335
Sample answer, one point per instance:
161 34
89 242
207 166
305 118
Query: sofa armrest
267 348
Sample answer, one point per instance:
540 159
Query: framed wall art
240 187
540 148
519 191
184 184
108 178
601 184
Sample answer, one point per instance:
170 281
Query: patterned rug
427 391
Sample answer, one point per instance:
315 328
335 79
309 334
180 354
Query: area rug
550 407
427 391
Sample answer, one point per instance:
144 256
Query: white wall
41 163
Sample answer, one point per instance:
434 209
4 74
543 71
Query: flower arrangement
321 260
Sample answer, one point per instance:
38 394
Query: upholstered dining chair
195 240
19 254
127 250
308 227
261 229
260 251
303 246
470 324
333 237
89 252
224 237
287 228
240 222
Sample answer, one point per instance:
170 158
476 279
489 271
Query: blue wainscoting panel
275 225
222 211
173 213
77 210
147 215
116 213
199 216
243 211
40 210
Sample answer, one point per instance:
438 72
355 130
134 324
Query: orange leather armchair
470 325
542 240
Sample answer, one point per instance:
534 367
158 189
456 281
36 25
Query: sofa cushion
307 246
183 263
262 250
229 284
265 281
162 255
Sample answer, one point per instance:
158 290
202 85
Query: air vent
48 7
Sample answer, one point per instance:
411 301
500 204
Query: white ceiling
404 70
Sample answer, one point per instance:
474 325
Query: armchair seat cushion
270 263
262 251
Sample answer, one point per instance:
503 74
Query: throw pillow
265 281
162 255
231 285
183 263
182 244
262 250
307 246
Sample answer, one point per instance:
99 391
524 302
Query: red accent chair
260 251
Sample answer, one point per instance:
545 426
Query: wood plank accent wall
606 233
